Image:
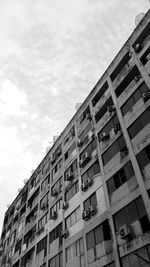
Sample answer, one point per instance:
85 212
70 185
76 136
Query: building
88 202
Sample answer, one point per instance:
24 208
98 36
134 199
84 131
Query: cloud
52 52
12 99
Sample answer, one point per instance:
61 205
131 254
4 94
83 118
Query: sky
52 53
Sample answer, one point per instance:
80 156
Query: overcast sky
52 53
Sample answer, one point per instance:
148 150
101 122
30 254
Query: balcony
102 101
141 241
100 253
123 73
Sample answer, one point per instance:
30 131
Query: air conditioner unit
58 153
146 96
89 181
46 205
65 233
53 215
88 116
137 77
79 143
54 192
38 231
24 247
137 48
65 205
69 176
48 187
104 137
111 109
124 153
43 207
86 157
84 187
92 210
125 231
117 128
86 215
42 229
53 159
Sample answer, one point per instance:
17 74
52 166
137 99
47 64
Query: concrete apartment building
88 202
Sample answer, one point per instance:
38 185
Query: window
139 124
70 150
56 261
42 245
92 200
100 94
57 206
44 202
143 157
89 149
134 98
91 172
72 168
121 177
132 212
56 168
43 221
109 126
57 186
28 257
73 218
57 152
72 191
86 130
98 235
118 145
55 233
133 259
74 250
103 109
83 116
18 246
33 199
46 167
24 197
70 135
45 183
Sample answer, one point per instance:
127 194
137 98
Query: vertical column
109 215
81 203
129 145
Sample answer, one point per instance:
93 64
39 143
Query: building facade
88 202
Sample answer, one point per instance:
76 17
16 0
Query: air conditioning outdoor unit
53 215
53 159
124 153
137 77
104 137
79 143
58 153
137 48
54 193
86 157
125 231
65 233
69 176
93 210
89 181
86 215
88 116
111 109
117 128
65 205
146 96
